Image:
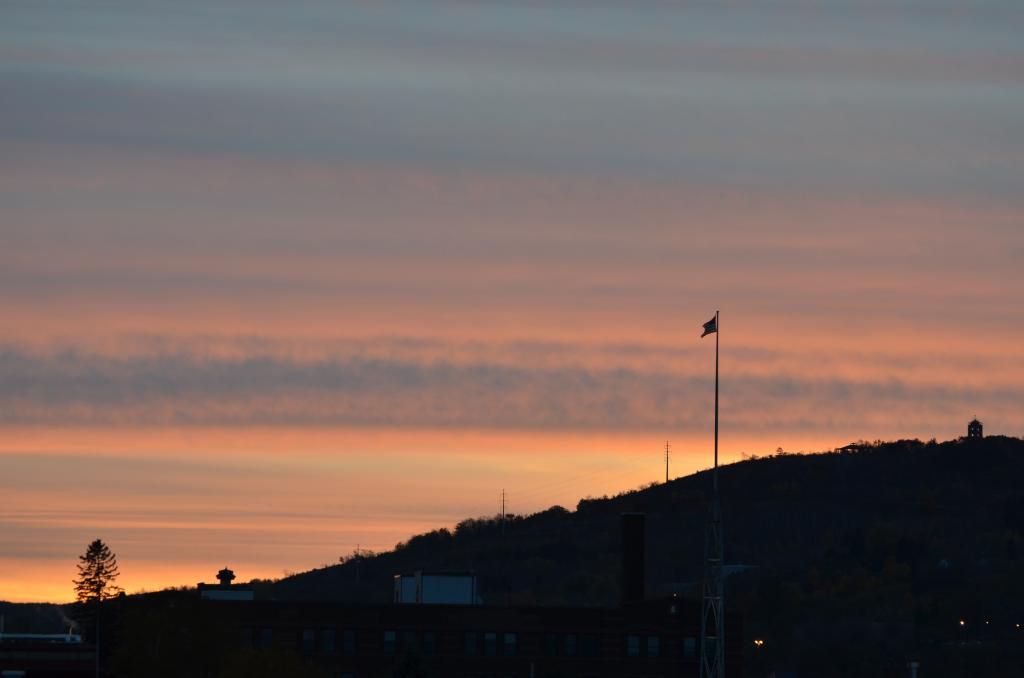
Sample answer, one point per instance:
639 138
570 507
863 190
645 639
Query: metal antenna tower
666 461
712 619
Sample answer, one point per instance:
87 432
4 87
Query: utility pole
666 461
712 620
503 511
99 602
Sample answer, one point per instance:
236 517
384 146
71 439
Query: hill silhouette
844 563
858 558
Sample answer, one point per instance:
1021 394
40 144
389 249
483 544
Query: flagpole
718 331
712 623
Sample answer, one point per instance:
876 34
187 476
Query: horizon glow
281 281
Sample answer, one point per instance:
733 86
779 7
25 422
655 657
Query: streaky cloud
419 383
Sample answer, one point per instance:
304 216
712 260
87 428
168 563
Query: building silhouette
436 588
225 590
974 429
440 628
46 655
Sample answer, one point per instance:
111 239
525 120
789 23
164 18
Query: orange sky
176 502
280 281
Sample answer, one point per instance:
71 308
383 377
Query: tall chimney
633 547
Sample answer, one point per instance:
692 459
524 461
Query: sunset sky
281 279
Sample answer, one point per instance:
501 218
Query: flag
710 326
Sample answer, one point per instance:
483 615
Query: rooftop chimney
633 547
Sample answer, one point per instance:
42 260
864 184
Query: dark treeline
35 618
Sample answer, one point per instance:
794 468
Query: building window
264 638
589 645
551 644
308 640
348 642
632 646
510 642
653 646
490 643
690 647
390 641
348 674
470 641
409 641
570 645
328 641
429 643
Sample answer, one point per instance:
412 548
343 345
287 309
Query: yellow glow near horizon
321 494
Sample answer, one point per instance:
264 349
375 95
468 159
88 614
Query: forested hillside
860 557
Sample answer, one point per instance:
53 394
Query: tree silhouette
96 574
